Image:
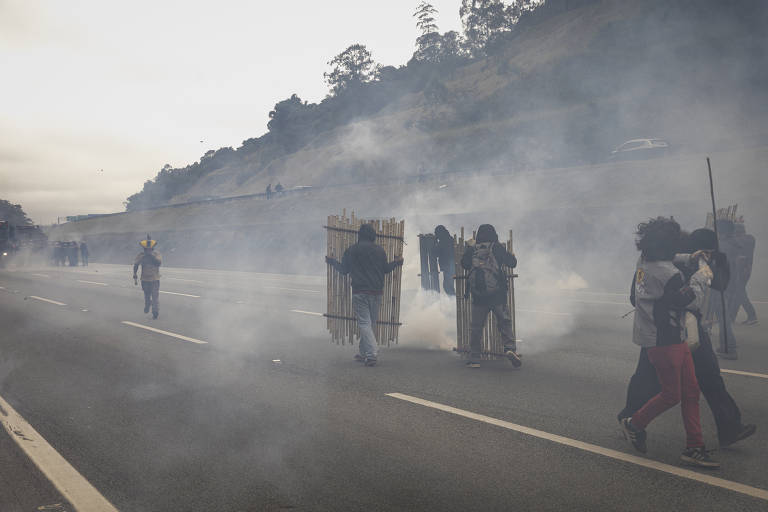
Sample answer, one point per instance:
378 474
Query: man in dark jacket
728 348
444 250
644 383
367 264
488 284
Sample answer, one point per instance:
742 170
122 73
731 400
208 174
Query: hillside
573 80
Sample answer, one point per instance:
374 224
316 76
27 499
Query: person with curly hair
660 296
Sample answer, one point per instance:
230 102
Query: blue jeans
367 311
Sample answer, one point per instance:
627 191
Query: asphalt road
161 423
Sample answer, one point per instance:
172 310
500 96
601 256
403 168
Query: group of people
64 252
278 189
366 263
676 279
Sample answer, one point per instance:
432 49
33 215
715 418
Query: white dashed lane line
92 282
311 313
592 448
181 294
291 289
40 275
167 333
67 480
47 300
186 280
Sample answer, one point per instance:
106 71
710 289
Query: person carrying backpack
488 285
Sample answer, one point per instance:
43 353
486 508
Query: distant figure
58 254
150 262
278 188
269 191
729 245
73 253
84 253
367 264
446 258
746 248
484 259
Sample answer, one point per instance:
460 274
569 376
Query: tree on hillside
13 213
352 67
291 122
428 43
451 46
482 21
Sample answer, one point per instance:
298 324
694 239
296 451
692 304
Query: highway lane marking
182 294
47 300
92 282
167 333
592 448
68 481
291 289
187 280
39 275
306 312
748 374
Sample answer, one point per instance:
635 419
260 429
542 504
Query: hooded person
150 261
728 245
366 263
484 260
444 248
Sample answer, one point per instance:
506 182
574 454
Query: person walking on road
150 262
444 248
84 253
484 260
699 249
746 245
367 264
660 296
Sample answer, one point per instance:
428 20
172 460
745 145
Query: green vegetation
13 213
527 84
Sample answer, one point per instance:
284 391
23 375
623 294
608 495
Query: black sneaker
359 358
146 309
698 457
155 315
745 432
472 364
513 357
634 436
370 361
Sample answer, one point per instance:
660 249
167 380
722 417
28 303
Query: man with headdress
150 262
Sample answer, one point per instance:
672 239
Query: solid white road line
748 374
182 294
67 480
92 282
592 448
47 300
167 333
306 312
39 275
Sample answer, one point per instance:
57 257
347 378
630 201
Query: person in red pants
660 295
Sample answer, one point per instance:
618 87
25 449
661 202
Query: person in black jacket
488 284
444 248
644 383
367 264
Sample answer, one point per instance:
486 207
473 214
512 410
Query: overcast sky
126 87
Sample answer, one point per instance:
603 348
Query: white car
638 149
